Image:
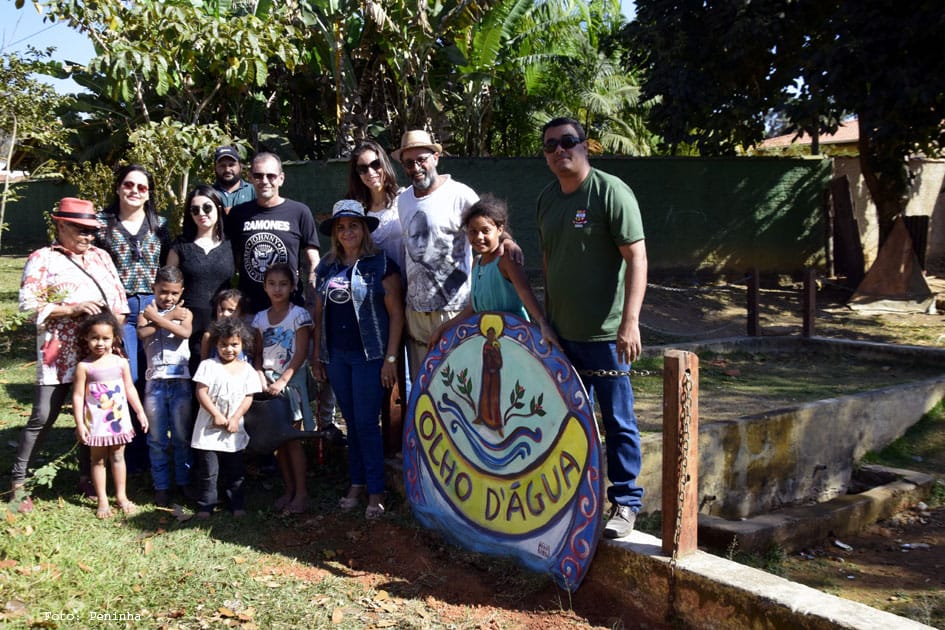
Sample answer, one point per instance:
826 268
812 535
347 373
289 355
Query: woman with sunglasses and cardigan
205 258
137 240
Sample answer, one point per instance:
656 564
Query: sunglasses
373 166
206 208
130 185
566 142
261 176
418 162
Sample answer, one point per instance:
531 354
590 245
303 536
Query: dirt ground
897 565
466 590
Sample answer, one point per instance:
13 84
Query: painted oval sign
501 450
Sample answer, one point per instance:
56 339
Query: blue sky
25 27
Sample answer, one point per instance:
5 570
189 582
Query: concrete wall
637 584
926 198
755 464
721 214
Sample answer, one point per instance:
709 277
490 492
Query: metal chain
682 470
614 373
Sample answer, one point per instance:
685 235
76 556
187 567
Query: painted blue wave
486 451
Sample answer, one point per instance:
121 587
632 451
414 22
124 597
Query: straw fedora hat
348 208
78 211
416 139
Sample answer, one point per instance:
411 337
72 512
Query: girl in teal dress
498 282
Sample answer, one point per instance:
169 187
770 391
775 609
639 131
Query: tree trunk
886 179
6 182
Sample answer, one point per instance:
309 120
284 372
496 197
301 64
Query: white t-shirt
227 391
438 256
278 340
388 235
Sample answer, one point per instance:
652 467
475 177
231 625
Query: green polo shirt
580 238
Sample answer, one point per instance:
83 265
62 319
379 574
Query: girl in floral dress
103 390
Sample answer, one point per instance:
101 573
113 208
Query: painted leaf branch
463 384
515 402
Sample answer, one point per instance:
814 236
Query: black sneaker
621 521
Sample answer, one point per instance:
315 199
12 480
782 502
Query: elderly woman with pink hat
62 285
359 318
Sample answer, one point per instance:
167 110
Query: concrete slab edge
797 527
712 592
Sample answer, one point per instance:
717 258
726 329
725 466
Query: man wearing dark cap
233 189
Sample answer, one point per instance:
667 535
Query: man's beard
426 183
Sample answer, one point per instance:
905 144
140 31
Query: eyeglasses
130 185
373 166
207 207
566 142
258 177
84 231
418 162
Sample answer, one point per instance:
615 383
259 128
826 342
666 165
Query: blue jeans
357 385
614 397
168 405
136 453
129 334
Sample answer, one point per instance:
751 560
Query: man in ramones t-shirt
269 230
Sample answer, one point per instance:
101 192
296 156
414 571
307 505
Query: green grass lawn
61 567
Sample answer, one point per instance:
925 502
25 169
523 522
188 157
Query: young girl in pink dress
102 392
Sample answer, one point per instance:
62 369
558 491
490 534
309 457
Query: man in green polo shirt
595 277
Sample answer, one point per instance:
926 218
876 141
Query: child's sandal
128 508
103 513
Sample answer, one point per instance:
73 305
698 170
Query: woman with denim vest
359 316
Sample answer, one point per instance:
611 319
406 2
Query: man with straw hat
438 256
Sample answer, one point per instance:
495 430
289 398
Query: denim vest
367 293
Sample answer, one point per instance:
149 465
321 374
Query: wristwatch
391 358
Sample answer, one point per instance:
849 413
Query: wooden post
754 284
680 440
809 301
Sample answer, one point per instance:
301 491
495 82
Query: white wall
927 198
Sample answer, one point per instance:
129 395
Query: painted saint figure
489 413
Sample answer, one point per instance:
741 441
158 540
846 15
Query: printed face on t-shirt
418 237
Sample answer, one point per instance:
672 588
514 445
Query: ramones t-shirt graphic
262 237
